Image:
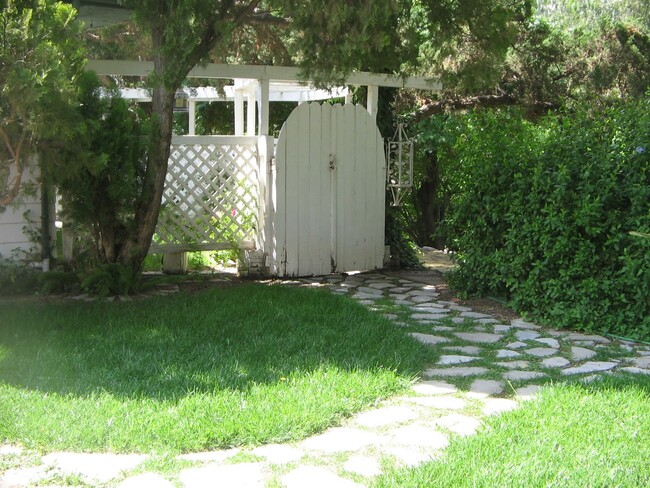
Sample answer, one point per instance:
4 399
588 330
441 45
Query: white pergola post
373 101
250 113
239 112
192 116
263 93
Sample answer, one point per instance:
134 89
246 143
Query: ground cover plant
244 365
575 434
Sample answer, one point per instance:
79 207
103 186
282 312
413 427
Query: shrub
545 213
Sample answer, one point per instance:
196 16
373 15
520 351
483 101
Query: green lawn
226 367
574 435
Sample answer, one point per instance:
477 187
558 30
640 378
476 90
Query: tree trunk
430 209
148 207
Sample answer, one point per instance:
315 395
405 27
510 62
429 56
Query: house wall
23 214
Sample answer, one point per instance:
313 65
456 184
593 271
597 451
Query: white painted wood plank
304 167
312 231
292 191
278 232
326 191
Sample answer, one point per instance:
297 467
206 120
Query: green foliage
111 279
41 56
100 189
542 213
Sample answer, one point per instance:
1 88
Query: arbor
41 56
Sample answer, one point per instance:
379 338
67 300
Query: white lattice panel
211 194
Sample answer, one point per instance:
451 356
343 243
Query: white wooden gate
326 212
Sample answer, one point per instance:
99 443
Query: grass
227 367
573 435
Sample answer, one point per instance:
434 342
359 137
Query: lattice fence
211 195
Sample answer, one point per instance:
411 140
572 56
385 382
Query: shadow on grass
224 339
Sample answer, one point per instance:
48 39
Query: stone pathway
484 367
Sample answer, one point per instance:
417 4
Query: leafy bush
542 214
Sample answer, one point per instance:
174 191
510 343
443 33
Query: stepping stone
315 477
399 289
475 315
522 375
419 435
484 388
434 388
365 296
505 353
574 336
580 353
488 321
458 308
340 439
408 457
391 316
464 349
278 453
528 392
514 364
642 362
442 328
522 324
428 338
385 416
502 329
369 291
21 477
498 405
146 480
427 316
422 293
555 362
95 467
452 359
421 298
516 345
459 424
526 335
482 337
633 370
10 450
433 307
380 285
541 351
458 320
554 343
363 465
441 402
455 372
590 367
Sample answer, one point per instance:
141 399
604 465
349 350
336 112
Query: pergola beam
278 73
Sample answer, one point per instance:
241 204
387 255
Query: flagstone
369 291
576 336
494 406
278 453
427 316
488 321
505 353
340 439
444 402
458 308
380 285
434 388
502 328
419 435
522 324
475 315
442 328
549 341
516 375
456 371
96 467
482 337
526 335
464 349
428 338
590 367
363 465
385 416
484 388
146 480
528 392
315 477
421 298
642 362
459 424
454 359
210 456
516 345
541 351
555 362
580 353
514 364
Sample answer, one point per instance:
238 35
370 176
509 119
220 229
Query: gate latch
332 162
